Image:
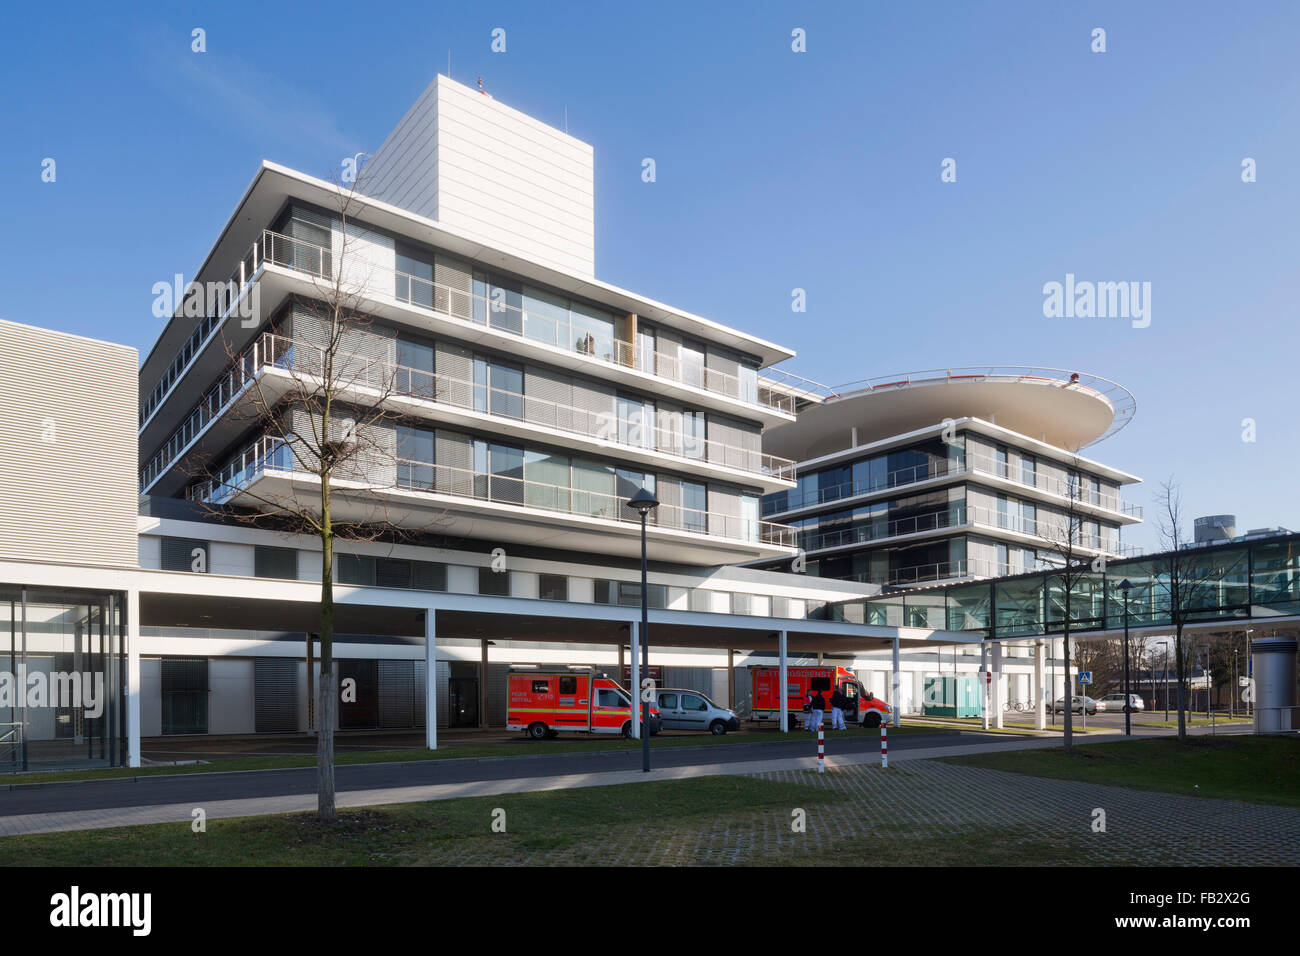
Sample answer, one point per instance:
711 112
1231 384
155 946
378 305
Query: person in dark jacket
839 704
818 709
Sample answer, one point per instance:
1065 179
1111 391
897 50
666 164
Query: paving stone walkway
930 800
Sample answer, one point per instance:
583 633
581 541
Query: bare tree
324 414
1072 565
1190 574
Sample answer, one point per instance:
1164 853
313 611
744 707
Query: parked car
682 709
1114 703
1078 704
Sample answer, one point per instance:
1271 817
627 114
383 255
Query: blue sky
776 170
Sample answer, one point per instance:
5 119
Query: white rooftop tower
492 173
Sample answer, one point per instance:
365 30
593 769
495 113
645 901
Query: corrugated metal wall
68 416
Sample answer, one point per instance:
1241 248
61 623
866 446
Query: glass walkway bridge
1231 585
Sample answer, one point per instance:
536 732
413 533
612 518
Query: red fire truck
866 709
544 703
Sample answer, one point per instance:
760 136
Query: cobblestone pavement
927 800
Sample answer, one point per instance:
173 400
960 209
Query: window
1000 461
414 276
184 554
568 684
541 687
546 479
628 593
414 367
498 388
1028 470
695 507
694 702
275 562
635 422
498 472
740 604
415 457
667 701
592 332
552 587
610 698
367 571
493 582
546 317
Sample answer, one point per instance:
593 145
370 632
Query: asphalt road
181 788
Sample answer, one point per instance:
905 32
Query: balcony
412 292
961 464
437 486
958 517
368 378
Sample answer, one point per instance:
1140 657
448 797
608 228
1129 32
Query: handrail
317 261
272 453
390 378
952 517
938 468
548 330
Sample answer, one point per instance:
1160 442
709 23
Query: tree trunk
325 809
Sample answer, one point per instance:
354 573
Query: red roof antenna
480 85
1074 378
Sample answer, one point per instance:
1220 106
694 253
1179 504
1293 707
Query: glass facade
62 678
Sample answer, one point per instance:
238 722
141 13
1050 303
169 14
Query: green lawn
609 825
1263 769
520 749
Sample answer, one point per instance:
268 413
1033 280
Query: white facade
463 159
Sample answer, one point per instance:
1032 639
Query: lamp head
1125 585
643 502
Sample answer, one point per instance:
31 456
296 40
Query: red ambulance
544 703
867 710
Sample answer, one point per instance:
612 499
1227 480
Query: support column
431 679
634 683
782 680
996 686
985 692
1040 707
132 701
897 702
621 661
482 684
731 678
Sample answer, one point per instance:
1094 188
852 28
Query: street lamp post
643 502
1164 677
1124 586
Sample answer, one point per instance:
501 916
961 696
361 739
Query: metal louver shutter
721 439
442 675
722 373
669 493
497 693
548 400
724 510
453 287
396 694
454 455
275 695
595 404
668 437
453 375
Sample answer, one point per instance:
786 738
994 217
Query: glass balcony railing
271 453
962 462
382 380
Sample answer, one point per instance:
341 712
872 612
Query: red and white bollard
884 745
821 750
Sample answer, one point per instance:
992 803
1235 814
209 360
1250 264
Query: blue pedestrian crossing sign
1085 677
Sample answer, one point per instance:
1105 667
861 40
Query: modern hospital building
526 401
